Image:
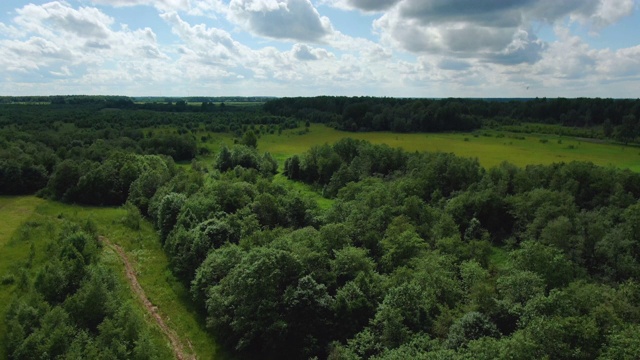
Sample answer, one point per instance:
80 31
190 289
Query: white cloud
294 20
607 12
61 41
163 5
303 52
425 48
497 31
362 5
206 45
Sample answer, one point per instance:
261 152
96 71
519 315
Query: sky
393 48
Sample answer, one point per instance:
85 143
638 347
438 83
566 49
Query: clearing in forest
490 147
174 339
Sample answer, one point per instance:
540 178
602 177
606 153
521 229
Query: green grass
499 258
490 150
152 266
323 203
32 225
29 220
14 211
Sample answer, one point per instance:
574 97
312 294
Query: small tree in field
250 139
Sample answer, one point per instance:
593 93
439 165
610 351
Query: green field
142 247
13 212
490 150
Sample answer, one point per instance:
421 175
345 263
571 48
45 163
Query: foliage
419 255
75 309
429 115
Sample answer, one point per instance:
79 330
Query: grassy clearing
490 148
24 250
14 251
111 260
323 203
28 224
152 266
519 149
13 212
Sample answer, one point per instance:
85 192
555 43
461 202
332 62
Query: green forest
409 255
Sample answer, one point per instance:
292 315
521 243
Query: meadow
14 211
490 147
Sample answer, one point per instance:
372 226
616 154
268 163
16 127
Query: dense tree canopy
420 255
436 115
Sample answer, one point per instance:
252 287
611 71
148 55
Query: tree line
615 116
64 143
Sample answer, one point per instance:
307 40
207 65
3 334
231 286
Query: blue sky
404 48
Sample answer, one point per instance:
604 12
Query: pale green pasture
489 150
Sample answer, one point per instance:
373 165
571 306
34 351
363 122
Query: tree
548 262
223 160
308 308
292 167
247 310
214 268
471 326
168 211
250 139
627 131
607 128
624 343
404 312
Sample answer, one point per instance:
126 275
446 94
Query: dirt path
176 344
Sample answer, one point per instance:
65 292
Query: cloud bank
294 47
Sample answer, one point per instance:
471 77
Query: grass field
519 149
14 211
142 246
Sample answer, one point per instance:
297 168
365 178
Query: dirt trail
176 344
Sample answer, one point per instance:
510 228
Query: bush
8 279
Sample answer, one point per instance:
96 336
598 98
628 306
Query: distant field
490 150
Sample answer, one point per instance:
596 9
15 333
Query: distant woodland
419 255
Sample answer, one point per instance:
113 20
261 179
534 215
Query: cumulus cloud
59 40
56 16
164 5
305 53
280 19
417 48
205 45
493 31
362 5
453 64
623 63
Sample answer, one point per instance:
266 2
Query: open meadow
14 211
490 147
